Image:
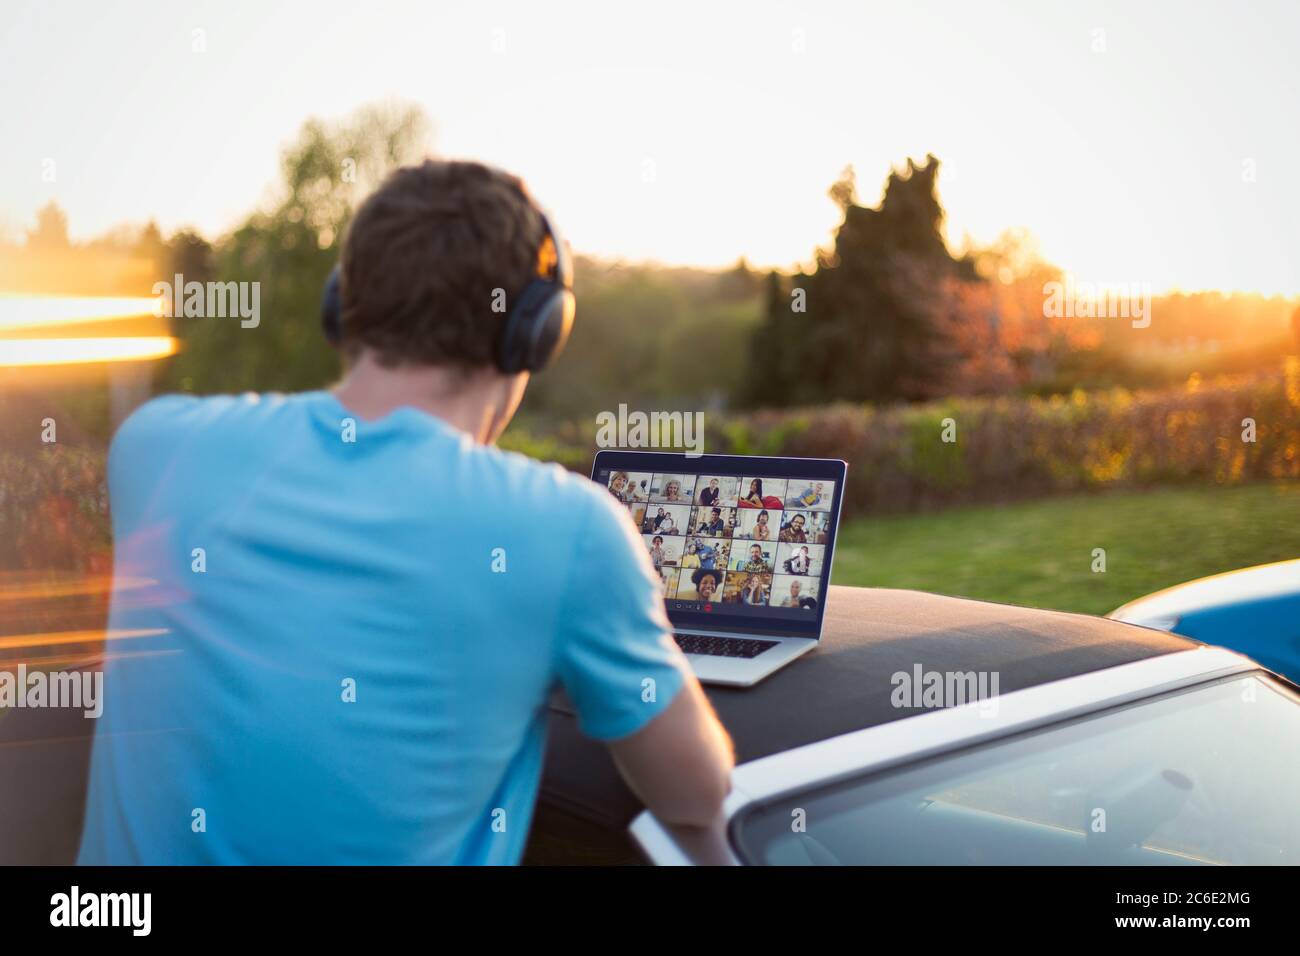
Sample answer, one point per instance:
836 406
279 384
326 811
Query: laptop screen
738 542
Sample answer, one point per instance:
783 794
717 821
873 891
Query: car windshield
1201 776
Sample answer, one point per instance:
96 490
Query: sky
1152 142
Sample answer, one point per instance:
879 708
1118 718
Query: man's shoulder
180 411
163 423
163 417
157 411
528 483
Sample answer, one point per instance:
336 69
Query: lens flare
27 352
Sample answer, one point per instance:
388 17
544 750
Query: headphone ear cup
551 331
331 308
537 328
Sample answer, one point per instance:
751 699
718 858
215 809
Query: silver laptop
742 546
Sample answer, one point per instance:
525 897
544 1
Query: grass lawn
1039 553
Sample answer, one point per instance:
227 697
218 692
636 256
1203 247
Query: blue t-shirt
337 647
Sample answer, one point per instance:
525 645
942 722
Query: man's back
335 647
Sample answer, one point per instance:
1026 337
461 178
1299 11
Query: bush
54 509
1014 448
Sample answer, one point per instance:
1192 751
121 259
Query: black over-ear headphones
536 328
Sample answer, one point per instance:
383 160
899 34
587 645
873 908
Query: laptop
742 546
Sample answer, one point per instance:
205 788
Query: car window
1204 775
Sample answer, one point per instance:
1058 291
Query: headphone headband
562 270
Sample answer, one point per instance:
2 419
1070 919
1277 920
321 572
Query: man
714 524
800 562
709 496
811 496
756 563
331 664
794 532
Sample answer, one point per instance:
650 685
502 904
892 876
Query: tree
289 250
51 230
190 255
872 328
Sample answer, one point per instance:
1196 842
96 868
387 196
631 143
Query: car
1050 738
1255 611
1102 742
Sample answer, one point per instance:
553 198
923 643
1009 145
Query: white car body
927 735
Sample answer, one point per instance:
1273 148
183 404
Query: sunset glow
25 321
45 311
23 352
696 135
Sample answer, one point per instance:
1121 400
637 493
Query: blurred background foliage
862 354
289 250
888 313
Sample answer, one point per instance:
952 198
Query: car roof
845 685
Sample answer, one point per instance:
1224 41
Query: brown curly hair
427 258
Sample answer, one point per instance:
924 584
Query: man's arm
629 682
680 763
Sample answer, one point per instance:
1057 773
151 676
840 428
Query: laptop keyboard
722 646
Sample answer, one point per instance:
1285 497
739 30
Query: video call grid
787 519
